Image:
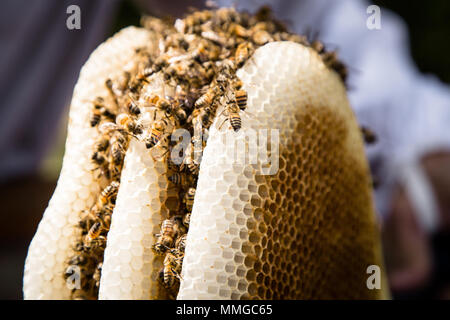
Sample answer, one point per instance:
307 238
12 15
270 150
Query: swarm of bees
198 58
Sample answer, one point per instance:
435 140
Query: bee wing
248 115
161 149
107 127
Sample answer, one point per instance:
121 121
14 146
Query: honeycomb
130 267
307 231
78 185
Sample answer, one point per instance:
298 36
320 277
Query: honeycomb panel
129 260
77 185
130 267
309 230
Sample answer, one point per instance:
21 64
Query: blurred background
399 87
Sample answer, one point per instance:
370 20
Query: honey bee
189 161
93 235
203 118
98 111
110 86
185 99
172 267
318 46
107 221
156 133
107 209
160 62
184 103
133 108
115 171
193 166
163 104
236 29
331 60
177 40
78 247
156 25
135 84
241 98
261 37
237 83
181 179
88 217
208 98
225 15
193 21
189 199
108 128
124 81
95 117
187 219
233 116
80 259
166 237
108 194
368 135
179 113
142 76
179 226
118 147
172 107
197 145
243 52
180 244
105 215
98 158
102 144
207 71
226 72
177 71
97 274
131 126
103 165
206 51
216 38
263 13
284 36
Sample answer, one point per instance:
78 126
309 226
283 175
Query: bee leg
220 127
223 111
159 157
